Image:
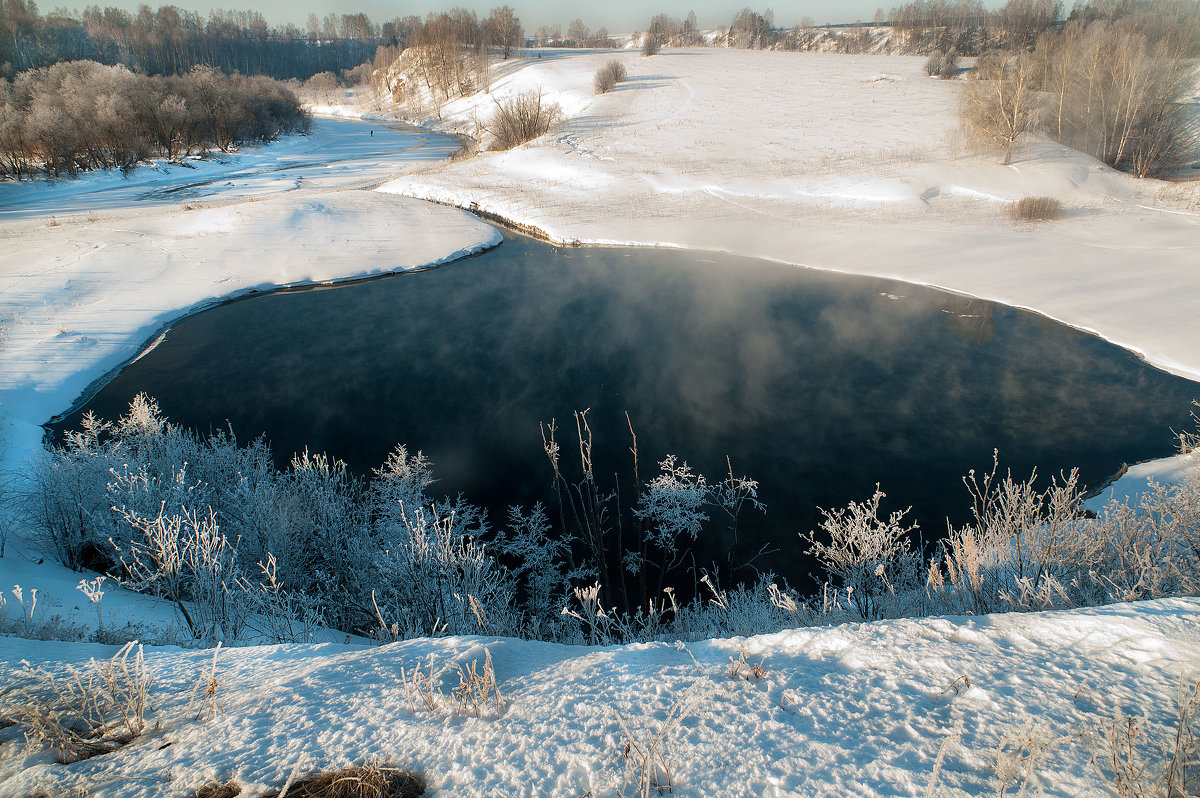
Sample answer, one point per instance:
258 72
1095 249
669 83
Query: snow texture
858 709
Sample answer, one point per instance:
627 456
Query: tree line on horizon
81 115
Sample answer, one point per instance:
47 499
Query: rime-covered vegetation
172 40
248 552
1112 82
81 115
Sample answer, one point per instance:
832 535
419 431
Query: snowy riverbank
848 163
80 292
858 709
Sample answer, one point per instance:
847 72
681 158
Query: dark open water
819 385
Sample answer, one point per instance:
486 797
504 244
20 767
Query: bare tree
578 34
999 104
504 29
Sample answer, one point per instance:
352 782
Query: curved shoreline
152 342
1164 365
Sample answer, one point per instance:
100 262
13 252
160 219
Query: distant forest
170 41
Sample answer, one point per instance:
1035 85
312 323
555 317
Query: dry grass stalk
960 685
645 753
741 669
1175 773
477 693
89 712
207 705
364 781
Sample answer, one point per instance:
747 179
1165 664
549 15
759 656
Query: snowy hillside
859 709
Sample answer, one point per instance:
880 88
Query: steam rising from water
818 385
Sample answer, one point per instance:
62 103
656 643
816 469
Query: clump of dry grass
741 669
86 712
229 789
520 119
477 694
364 781
1037 209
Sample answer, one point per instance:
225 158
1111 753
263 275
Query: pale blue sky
619 16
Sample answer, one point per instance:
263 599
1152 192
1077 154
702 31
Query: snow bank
79 293
860 709
812 159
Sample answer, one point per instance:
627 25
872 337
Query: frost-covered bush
934 63
249 552
437 578
942 65
68 502
185 558
608 76
1034 549
1019 533
542 567
871 557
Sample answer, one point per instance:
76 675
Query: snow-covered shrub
184 557
935 63
871 557
1150 549
277 614
68 501
541 566
608 76
743 610
1032 549
437 578
672 511
1189 440
399 484
326 525
596 625
942 65
521 118
1020 534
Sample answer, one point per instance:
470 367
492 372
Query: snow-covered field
850 163
838 162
